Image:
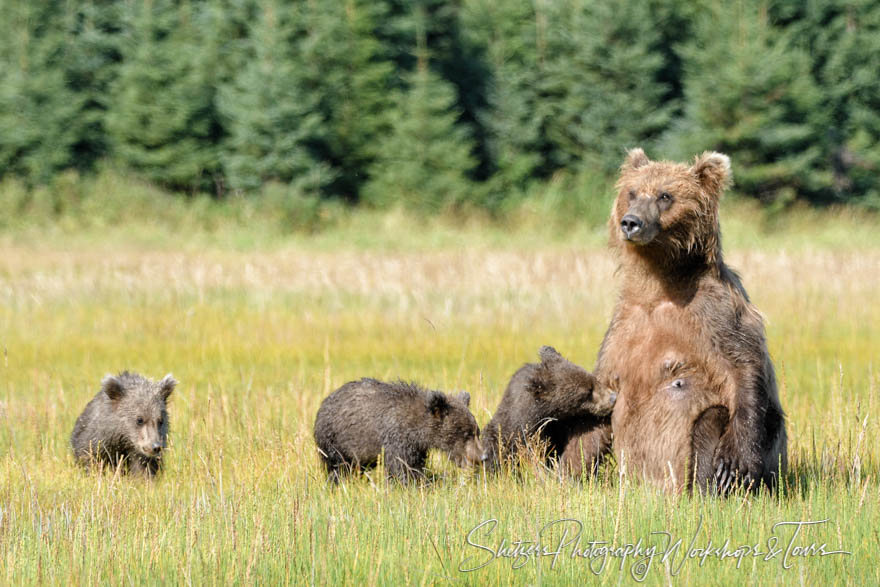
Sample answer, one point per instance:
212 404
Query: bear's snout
473 453
151 449
631 225
603 402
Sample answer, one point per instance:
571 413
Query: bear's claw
731 472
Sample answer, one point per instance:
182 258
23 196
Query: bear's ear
712 170
540 380
112 386
166 386
549 355
465 398
635 158
437 403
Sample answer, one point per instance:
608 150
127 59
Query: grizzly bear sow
125 425
553 399
697 392
361 418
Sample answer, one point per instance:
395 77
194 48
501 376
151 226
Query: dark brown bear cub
361 418
125 425
553 399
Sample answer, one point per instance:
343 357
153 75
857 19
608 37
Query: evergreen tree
271 121
514 120
201 93
456 54
849 77
345 70
749 93
603 82
162 119
573 85
426 157
38 111
91 64
673 21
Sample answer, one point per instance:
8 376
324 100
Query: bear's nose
157 447
630 224
484 457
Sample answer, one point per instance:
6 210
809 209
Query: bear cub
361 418
125 425
555 400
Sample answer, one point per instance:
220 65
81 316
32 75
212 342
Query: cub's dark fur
554 399
361 418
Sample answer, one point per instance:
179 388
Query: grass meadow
259 329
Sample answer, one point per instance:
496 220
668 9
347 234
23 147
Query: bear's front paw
734 466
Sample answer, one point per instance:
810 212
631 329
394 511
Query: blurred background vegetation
296 108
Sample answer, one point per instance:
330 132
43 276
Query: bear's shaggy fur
553 399
361 418
697 392
125 425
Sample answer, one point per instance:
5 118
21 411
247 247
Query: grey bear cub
361 418
125 425
555 400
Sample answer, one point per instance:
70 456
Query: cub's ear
549 355
437 403
465 398
539 380
167 385
635 158
112 386
712 170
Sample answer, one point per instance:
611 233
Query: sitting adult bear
681 308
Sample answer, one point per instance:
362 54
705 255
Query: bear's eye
678 383
140 421
161 421
664 197
632 194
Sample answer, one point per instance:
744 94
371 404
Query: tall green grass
258 333
568 210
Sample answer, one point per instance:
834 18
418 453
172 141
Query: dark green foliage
440 103
574 85
162 122
454 53
514 121
91 63
602 82
271 120
852 77
39 113
347 74
749 93
843 37
424 160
